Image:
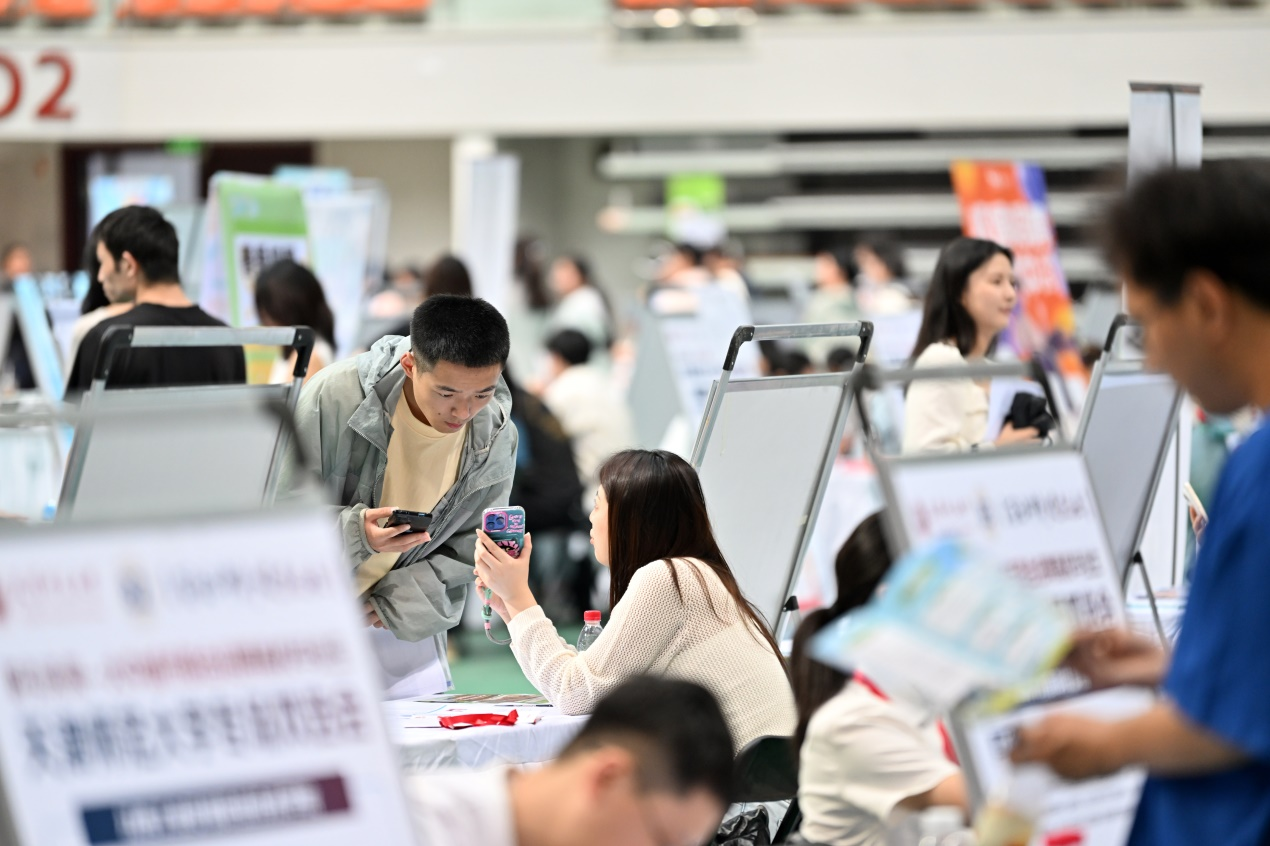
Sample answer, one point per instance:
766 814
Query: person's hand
372 616
1198 522
1010 435
1117 656
392 538
1073 747
495 601
508 577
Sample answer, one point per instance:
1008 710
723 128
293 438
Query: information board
1032 509
190 681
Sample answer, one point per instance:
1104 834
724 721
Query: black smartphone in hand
418 521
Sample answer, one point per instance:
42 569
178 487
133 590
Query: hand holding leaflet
946 623
1199 516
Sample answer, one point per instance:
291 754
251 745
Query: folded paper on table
948 622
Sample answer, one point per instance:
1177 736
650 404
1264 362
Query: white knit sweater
651 630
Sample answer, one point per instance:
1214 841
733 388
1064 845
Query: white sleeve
640 630
935 410
887 760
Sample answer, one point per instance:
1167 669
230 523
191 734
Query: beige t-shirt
423 464
863 755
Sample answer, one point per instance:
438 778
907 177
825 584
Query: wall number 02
52 105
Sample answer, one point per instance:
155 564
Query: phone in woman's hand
506 528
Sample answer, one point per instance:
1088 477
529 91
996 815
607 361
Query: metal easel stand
787 618
1138 562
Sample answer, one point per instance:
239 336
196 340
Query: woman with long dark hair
676 607
288 294
862 756
971 299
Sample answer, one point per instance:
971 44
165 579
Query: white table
474 748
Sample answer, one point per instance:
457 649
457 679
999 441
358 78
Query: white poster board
696 326
1100 809
1032 509
341 228
762 482
182 681
487 236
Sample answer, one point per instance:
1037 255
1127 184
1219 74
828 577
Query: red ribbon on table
462 721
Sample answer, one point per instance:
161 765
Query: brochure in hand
948 622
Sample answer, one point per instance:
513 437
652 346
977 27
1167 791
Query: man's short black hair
461 330
147 236
1176 221
674 728
571 345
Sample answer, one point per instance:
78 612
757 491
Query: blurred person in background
580 304
583 399
15 261
880 288
724 264
677 610
651 767
96 305
683 265
832 301
865 760
528 307
447 275
288 294
880 258
971 299
1192 248
138 250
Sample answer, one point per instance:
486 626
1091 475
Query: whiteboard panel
760 472
176 452
1129 422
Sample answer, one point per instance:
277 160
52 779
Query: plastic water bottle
590 631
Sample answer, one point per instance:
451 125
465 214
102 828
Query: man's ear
128 264
1212 304
608 768
408 363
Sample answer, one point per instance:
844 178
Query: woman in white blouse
677 610
971 298
866 760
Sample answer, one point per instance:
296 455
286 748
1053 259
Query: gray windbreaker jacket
344 422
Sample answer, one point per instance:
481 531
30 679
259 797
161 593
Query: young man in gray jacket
423 424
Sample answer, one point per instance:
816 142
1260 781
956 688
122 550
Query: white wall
852 73
416 174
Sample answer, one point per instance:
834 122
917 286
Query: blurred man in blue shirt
1193 248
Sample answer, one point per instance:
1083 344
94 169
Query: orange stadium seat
398 7
210 9
647 4
63 10
328 8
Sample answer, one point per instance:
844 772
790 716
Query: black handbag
1030 411
747 829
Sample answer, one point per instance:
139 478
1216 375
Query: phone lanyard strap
487 614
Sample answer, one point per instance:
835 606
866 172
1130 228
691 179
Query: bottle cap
591 617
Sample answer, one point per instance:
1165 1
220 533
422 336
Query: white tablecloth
484 746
